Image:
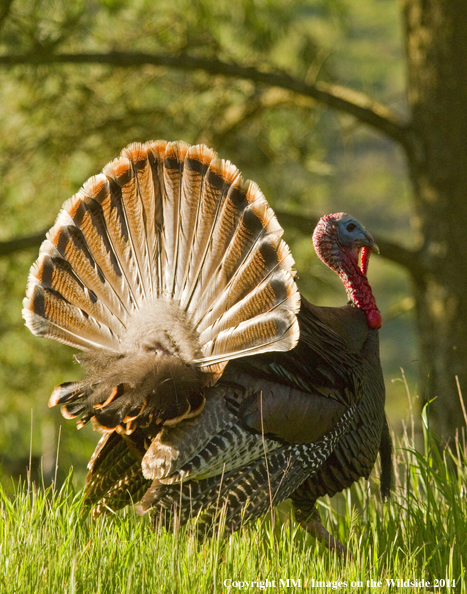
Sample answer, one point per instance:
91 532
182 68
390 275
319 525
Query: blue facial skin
352 234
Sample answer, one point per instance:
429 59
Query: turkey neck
357 286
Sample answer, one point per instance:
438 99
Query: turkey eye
351 227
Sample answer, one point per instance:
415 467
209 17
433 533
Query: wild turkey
163 269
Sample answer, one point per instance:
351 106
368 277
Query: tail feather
251 337
84 243
238 232
196 165
257 267
89 213
115 198
149 209
133 213
56 274
277 291
51 316
153 205
211 235
173 175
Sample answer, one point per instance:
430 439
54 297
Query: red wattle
365 259
373 317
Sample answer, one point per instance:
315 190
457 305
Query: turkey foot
316 529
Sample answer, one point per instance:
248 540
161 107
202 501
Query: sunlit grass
48 545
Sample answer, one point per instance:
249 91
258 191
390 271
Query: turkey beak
370 243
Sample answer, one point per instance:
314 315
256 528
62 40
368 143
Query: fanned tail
161 269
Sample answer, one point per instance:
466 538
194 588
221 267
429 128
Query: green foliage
48 545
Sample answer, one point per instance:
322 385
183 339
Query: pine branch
5 12
345 100
21 243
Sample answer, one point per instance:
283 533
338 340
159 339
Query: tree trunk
436 37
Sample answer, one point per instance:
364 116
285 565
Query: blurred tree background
306 97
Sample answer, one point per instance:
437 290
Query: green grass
48 545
